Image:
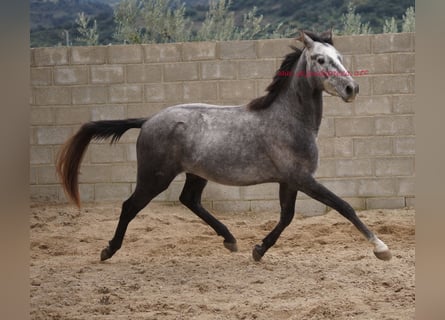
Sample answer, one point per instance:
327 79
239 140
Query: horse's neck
304 101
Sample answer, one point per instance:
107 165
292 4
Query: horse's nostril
349 90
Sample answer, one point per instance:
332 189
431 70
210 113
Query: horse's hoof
105 254
232 246
257 252
383 255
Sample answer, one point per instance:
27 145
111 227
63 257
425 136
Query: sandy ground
172 266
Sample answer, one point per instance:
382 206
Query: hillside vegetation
53 22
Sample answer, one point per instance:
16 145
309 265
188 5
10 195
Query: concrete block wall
366 147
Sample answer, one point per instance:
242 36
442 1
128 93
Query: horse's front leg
318 192
287 203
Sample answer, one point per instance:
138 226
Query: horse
270 139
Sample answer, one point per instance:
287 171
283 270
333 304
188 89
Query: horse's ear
308 42
327 36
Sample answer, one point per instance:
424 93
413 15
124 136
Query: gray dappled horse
271 139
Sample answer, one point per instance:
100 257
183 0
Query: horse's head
325 68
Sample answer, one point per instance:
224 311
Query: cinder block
41 116
238 206
131 152
356 203
353 44
89 95
200 91
374 146
51 95
265 191
405 145
46 175
373 105
403 103
238 89
143 110
53 135
406 186
50 56
327 128
70 75
335 106
41 155
44 193
72 115
89 55
373 63
262 85
105 74
144 73
127 93
395 125
214 191
116 191
354 167
124 172
376 187
310 207
394 167
365 85
385 203
359 126
32 175
237 50
337 146
108 113
125 54
168 52
256 69
326 168
218 70
274 48
394 84
341 187
403 62
106 153
392 42
410 202
158 92
265 206
181 71
198 51
86 193
41 77
94 173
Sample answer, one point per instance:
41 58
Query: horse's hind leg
287 203
191 198
146 189
317 191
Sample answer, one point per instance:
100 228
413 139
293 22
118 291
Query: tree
409 20
219 23
390 26
151 21
127 18
88 35
352 22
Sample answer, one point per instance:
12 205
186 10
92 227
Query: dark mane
280 80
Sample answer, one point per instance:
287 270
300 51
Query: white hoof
381 250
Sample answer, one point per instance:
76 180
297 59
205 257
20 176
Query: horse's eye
320 60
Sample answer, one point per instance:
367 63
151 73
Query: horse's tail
72 152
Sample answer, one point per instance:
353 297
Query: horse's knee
186 199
